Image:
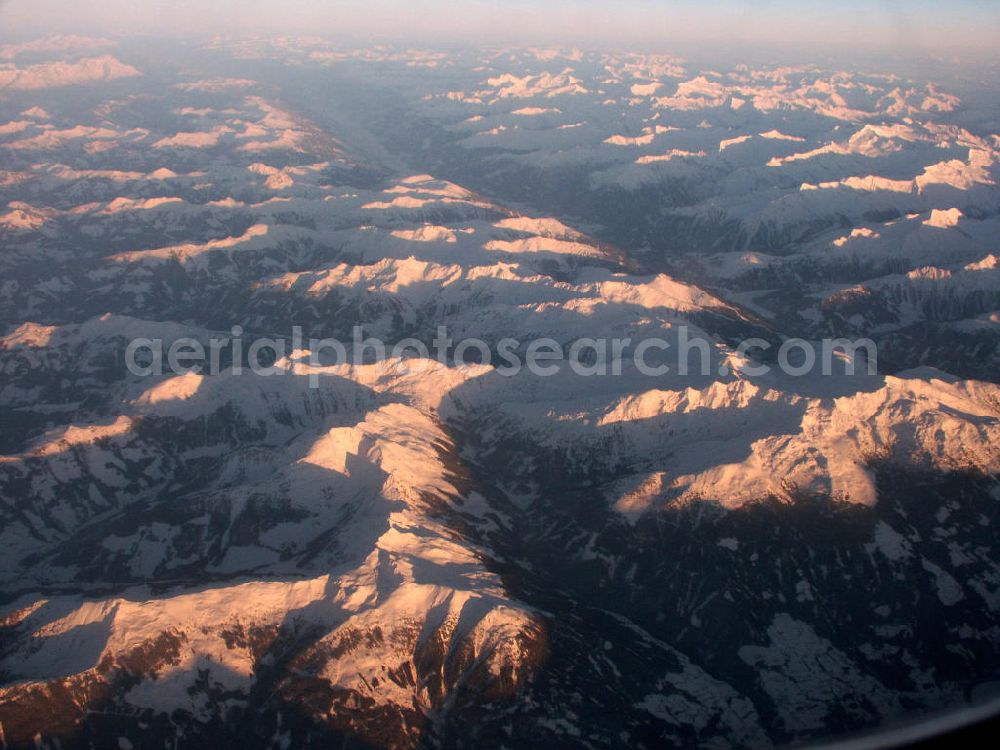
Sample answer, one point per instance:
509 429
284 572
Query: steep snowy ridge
394 636
736 441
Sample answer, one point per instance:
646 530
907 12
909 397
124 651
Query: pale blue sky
901 25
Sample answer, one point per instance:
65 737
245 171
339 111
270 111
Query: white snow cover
367 453
737 440
193 139
545 85
735 141
392 457
54 43
55 74
189 251
944 218
668 156
645 89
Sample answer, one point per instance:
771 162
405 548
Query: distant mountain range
401 552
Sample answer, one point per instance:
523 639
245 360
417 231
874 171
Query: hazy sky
900 25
